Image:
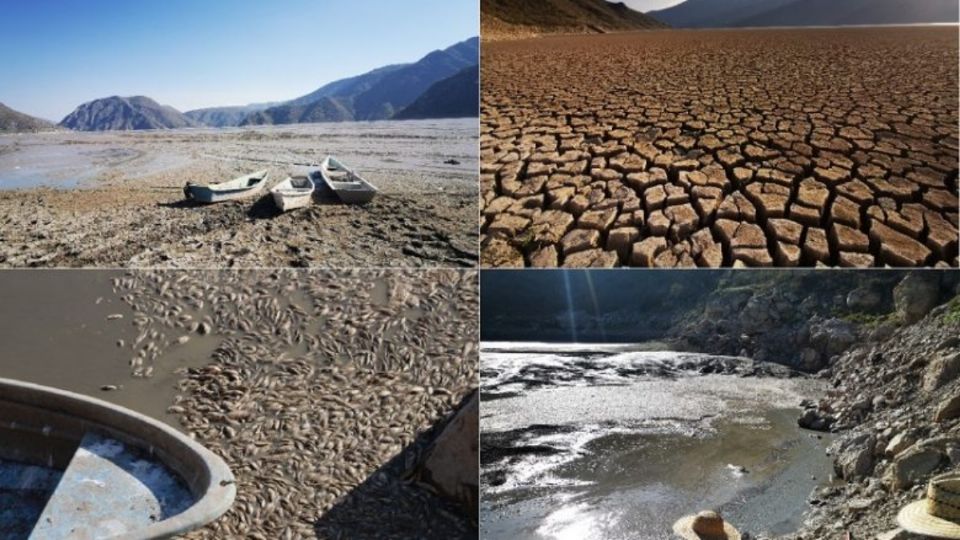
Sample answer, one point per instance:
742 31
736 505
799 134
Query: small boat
345 183
238 188
294 192
73 466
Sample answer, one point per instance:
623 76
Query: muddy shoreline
115 199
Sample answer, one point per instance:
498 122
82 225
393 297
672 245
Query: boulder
944 368
916 295
912 466
832 336
948 409
815 420
452 464
856 460
898 443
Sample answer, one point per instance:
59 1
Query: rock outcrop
125 113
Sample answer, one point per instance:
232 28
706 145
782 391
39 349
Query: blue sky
57 54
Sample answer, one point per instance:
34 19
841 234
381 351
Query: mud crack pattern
810 147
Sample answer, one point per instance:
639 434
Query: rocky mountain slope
896 408
12 121
225 116
853 12
742 13
376 95
454 97
501 19
125 113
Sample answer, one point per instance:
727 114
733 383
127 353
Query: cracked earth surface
810 147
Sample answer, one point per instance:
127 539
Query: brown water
56 332
624 456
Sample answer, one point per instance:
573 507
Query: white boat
294 192
346 184
238 188
73 466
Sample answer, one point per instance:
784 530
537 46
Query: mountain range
12 121
377 95
225 116
455 97
517 18
748 13
380 94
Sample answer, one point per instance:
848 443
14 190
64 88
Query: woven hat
706 525
938 515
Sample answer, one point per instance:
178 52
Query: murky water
620 441
58 332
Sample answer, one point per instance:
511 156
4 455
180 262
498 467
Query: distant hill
125 113
453 97
376 95
225 116
742 13
713 13
12 121
518 18
325 109
846 12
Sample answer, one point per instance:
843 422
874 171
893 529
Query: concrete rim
207 475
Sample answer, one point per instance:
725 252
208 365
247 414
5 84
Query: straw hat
705 526
939 514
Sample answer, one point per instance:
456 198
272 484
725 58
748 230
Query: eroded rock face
452 466
749 156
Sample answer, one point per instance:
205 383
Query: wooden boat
238 188
294 192
78 467
346 184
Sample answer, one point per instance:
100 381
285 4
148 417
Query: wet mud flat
776 147
320 389
639 440
115 199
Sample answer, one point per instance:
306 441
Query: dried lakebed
115 199
780 147
612 441
321 390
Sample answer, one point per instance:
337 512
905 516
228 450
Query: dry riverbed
320 389
791 147
115 199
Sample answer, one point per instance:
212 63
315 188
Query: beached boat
238 188
72 466
294 192
346 184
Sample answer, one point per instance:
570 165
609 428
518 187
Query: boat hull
216 193
292 193
52 426
355 190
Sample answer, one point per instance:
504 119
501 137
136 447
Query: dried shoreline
127 209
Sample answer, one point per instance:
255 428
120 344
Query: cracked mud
813 147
